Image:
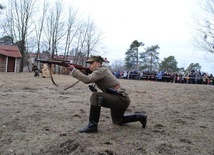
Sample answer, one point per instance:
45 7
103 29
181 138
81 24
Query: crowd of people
192 77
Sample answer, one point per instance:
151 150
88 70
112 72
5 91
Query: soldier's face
93 65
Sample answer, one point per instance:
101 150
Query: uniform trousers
117 104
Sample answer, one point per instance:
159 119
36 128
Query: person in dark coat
35 70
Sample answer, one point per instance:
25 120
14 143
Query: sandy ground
38 118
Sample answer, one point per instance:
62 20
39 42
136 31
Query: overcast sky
166 23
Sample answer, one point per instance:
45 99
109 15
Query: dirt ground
38 118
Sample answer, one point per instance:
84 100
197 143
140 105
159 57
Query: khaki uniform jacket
102 77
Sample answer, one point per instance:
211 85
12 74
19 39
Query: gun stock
65 64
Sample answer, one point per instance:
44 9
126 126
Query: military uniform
104 79
113 96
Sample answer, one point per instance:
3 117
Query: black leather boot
134 118
93 120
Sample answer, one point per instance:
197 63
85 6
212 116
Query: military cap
95 58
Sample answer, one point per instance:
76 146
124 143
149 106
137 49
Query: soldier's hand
70 67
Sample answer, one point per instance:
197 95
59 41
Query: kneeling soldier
113 96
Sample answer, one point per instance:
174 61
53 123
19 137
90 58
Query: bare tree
204 38
87 40
92 37
39 26
72 29
80 39
74 36
18 24
54 31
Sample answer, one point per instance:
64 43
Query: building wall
2 63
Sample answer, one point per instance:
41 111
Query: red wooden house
10 58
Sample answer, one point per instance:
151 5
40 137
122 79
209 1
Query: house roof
11 51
